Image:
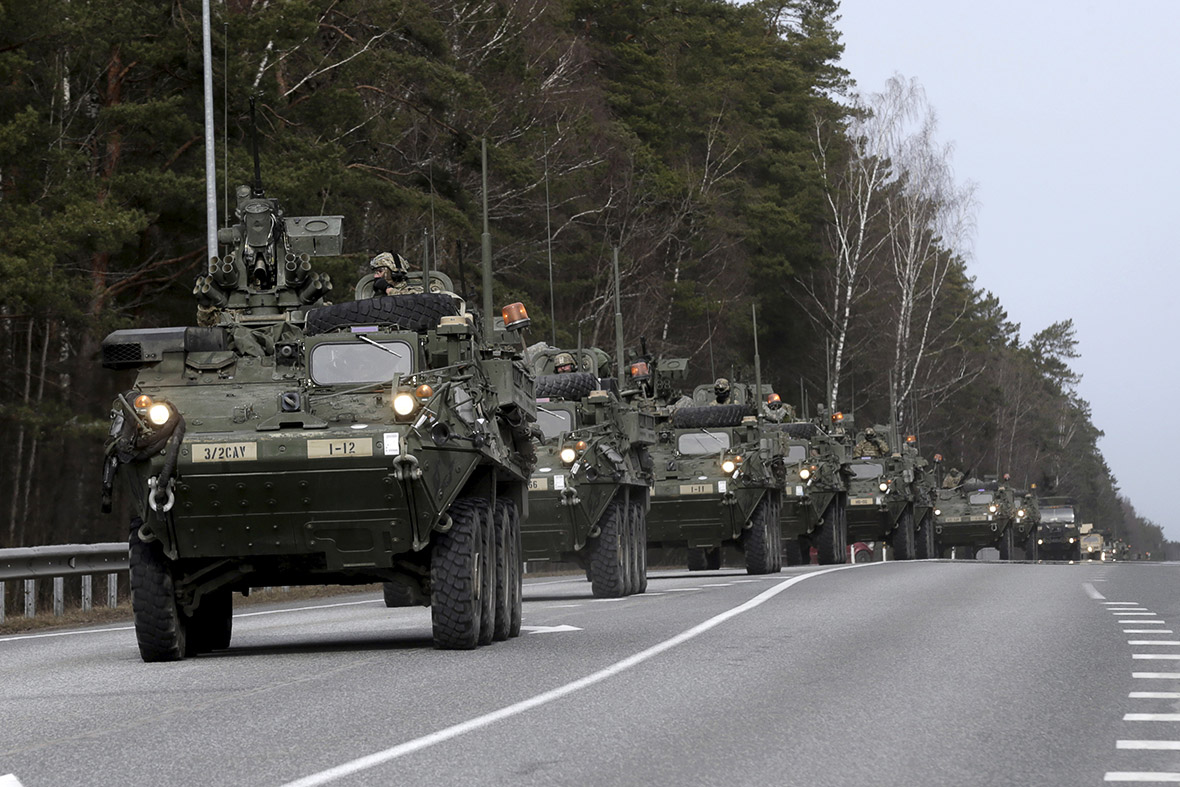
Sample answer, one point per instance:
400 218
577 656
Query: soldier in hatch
721 390
872 444
391 276
563 363
774 409
953 479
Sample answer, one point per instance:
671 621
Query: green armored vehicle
1027 521
974 514
886 498
715 483
814 468
1058 535
292 442
588 496
1094 543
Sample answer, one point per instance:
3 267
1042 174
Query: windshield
981 498
1092 538
796 453
332 363
553 423
870 470
1057 514
702 442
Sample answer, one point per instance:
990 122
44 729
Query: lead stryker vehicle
1058 536
973 515
291 442
889 501
714 482
589 494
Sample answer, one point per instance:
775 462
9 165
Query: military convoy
289 441
589 494
814 468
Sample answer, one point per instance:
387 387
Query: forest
721 148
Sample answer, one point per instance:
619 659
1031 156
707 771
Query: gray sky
1065 115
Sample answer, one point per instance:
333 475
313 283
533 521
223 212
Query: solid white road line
1153 642
1142 776
1148 631
1151 717
308 609
1150 745
1154 695
1158 656
434 738
1092 592
1156 675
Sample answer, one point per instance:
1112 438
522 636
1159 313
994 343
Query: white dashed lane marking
1156 675
1149 745
1142 622
1151 717
1154 695
1158 656
1143 776
1148 631
1153 642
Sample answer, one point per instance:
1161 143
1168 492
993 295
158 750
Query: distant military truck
814 469
973 515
589 493
1093 542
884 495
289 441
1058 534
715 485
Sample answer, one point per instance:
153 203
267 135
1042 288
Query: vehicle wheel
965 553
776 531
639 516
1075 553
792 553
488 560
411 312
608 564
160 628
902 539
863 556
399 594
704 558
1030 547
630 568
758 541
573 386
925 547
710 415
210 627
830 538
1007 543
506 513
456 599
502 527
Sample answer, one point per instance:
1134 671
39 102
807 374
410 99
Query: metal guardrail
28 564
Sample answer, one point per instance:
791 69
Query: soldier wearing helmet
775 411
563 363
390 273
953 478
871 444
721 390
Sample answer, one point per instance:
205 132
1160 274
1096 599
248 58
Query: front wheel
925 547
1007 544
455 586
759 539
903 538
830 538
608 554
160 627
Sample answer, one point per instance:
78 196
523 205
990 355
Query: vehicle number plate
861 501
334 449
952 519
225 452
696 489
538 484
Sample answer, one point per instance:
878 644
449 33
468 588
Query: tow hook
569 497
161 500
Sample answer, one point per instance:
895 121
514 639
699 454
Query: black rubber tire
925 546
501 530
1030 547
965 552
455 597
160 628
1075 553
800 431
506 517
903 539
398 594
574 385
1007 543
710 416
862 556
704 558
630 568
758 540
830 538
639 517
608 557
487 573
792 552
211 625
411 312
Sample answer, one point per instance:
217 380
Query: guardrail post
59 596
112 590
87 594
30 598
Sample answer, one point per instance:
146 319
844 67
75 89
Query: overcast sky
1065 115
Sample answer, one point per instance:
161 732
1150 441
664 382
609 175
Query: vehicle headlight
404 404
938 512
1071 541
568 455
159 413
805 474
728 466
884 487
992 508
1040 540
1020 513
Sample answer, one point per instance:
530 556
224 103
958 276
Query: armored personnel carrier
1027 521
975 514
287 441
715 484
1058 536
588 496
815 497
886 499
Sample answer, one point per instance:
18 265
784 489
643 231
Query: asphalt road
929 673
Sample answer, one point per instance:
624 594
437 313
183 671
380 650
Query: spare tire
710 415
801 431
411 312
572 385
